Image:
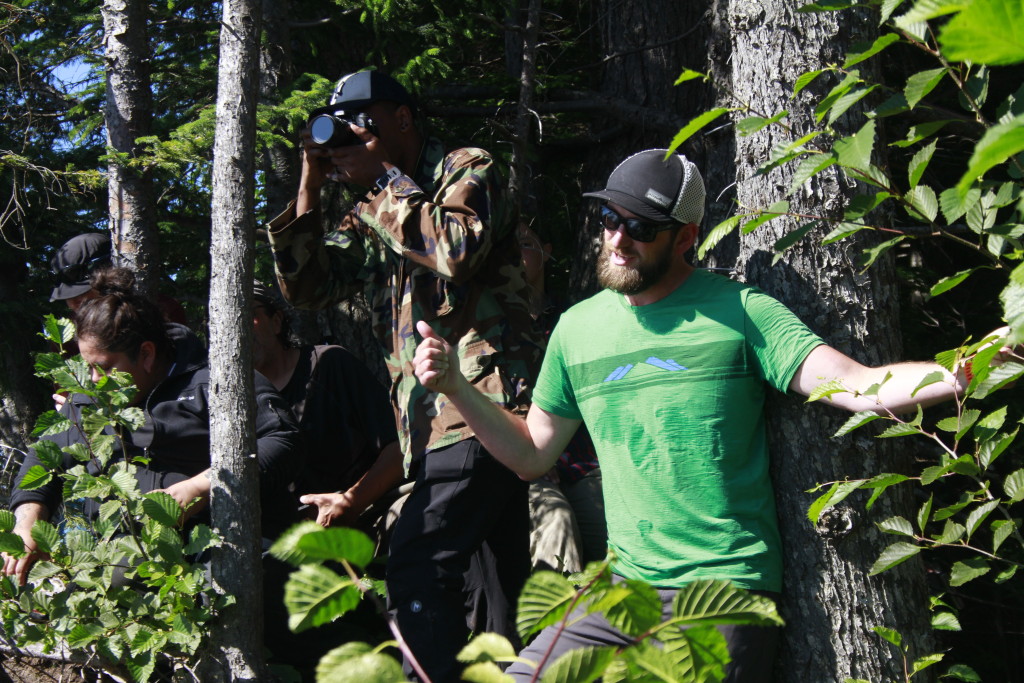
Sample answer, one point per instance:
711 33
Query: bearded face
627 270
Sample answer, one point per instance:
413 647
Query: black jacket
176 437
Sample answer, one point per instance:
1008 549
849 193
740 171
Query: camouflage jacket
439 247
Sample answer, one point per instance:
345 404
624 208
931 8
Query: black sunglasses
74 273
639 230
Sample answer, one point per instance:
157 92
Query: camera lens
321 129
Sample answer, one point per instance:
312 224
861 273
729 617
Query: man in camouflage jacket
432 240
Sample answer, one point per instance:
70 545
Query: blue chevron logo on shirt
623 370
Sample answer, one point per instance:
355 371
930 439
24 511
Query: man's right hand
436 363
19 567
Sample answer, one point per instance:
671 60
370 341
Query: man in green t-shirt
668 367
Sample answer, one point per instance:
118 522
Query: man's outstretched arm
896 382
528 447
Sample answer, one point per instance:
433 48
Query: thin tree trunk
830 604
519 184
129 113
236 566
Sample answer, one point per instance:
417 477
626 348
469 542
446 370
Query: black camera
331 128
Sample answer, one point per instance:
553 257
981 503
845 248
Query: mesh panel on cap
689 206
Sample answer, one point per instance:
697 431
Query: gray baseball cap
657 189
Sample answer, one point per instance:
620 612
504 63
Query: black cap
355 92
75 261
658 189
268 296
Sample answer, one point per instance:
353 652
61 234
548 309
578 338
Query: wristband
387 177
969 370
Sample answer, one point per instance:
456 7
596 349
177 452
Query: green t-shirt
673 395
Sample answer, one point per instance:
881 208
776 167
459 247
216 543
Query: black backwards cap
358 91
658 189
75 261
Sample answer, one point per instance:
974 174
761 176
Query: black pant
459 552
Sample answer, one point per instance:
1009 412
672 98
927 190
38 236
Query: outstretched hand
332 509
436 363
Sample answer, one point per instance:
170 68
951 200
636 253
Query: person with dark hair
432 238
669 367
74 264
348 426
118 329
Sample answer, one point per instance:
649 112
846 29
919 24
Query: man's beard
631 280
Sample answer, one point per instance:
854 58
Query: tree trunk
236 565
644 44
519 183
129 112
830 604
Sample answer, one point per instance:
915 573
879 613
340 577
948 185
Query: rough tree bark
519 182
129 113
830 603
236 570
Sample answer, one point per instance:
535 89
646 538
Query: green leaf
862 204
922 663
713 602
753 124
897 525
338 543
162 507
996 378
58 330
985 32
968 570
808 168
923 202
637 612
695 125
826 389
356 662
7 521
890 635
1001 530
895 554
855 151
924 515
11 543
487 647
835 495
990 450
286 549
316 595
852 78
880 44
717 233
544 600
485 672
899 429
1013 486
918 165
35 478
848 100
923 10
46 536
804 80
948 283
50 423
920 132
792 237
84 633
922 83
928 380
857 420
978 515
1012 298
689 75
1006 574
871 254
962 672
999 143
580 665
774 211
945 621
